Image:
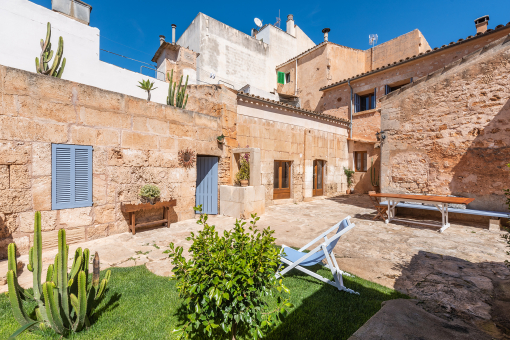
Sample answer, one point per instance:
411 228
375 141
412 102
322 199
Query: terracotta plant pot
244 182
348 191
150 200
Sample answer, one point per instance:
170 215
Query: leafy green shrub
148 86
150 191
226 280
349 173
244 170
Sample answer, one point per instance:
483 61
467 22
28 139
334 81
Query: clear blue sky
138 24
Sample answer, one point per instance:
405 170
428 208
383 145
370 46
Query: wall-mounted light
380 135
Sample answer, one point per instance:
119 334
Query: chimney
254 32
326 31
74 9
173 33
161 40
481 24
290 25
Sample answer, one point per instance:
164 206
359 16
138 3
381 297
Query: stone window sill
366 112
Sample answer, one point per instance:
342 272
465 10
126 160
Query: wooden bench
440 203
132 209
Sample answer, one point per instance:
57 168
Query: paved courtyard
458 273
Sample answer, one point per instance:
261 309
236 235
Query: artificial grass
141 305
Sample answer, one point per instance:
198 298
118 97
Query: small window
71 176
364 102
287 78
360 161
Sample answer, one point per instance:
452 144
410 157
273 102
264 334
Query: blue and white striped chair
298 259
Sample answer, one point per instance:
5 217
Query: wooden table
440 202
133 208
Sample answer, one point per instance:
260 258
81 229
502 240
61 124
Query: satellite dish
258 22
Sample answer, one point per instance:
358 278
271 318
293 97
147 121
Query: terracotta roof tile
297 109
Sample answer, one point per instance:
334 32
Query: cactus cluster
42 63
373 172
65 301
177 100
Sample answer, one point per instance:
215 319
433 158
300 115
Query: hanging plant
187 158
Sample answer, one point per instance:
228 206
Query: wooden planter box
132 209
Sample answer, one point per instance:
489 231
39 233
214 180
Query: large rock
403 320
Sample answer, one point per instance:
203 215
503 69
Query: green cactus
373 172
66 301
180 101
41 63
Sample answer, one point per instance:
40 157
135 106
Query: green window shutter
281 78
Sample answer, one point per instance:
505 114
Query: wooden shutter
365 161
281 78
387 89
373 98
357 103
71 176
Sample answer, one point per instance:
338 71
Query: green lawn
141 305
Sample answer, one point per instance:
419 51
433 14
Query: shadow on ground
454 289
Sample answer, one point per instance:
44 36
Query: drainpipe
295 85
350 109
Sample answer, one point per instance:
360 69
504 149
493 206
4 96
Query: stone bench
494 216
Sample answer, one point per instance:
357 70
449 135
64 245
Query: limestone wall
135 143
280 135
335 101
449 133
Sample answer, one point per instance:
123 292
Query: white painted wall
23 25
238 59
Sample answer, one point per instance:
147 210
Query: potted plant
349 173
243 175
150 193
221 139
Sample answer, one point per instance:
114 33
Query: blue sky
132 28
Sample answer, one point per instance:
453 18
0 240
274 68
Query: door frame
282 193
315 190
217 208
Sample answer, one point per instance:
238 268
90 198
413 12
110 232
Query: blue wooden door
207 184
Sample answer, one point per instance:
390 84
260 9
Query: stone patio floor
457 274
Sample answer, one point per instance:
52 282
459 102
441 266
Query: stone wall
335 101
279 139
449 133
135 143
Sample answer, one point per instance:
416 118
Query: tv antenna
278 20
258 22
372 39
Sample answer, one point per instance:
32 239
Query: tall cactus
373 172
179 101
66 301
41 63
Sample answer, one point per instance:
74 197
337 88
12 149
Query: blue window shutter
357 103
387 89
373 98
71 176
411 79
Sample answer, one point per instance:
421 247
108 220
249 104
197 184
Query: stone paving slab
455 269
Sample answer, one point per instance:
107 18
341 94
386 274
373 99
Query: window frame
287 78
364 161
72 179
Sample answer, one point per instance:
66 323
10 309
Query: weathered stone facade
449 133
135 143
282 134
